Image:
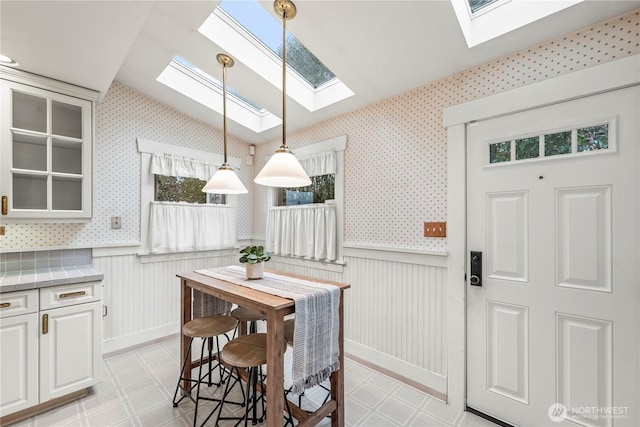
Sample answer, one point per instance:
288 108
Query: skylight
249 33
191 81
264 27
484 20
476 5
190 68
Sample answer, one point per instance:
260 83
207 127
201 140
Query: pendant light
283 169
225 180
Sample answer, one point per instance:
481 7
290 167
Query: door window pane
593 138
557 143
500 152
527 148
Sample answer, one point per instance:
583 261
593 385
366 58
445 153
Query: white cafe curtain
319 164
305 231
180 226
172 165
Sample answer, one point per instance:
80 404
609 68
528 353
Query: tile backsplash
32 260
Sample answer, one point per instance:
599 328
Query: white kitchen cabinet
70 354
19 351
50 346
46 144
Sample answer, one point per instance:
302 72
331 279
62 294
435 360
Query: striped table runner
315 341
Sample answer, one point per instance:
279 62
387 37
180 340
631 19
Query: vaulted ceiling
377 48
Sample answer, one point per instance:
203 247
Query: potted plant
254 257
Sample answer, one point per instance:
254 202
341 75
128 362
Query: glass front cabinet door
46 153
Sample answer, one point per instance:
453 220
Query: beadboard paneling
394 312
143 299
397 309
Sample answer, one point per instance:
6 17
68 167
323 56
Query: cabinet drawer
19 302
66 295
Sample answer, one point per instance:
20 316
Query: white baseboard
427 379
142 337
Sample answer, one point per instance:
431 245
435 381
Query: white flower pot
254 271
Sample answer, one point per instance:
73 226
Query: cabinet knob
45 324
5 205
5 305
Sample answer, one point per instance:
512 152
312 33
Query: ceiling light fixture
225 180
283 169
5 60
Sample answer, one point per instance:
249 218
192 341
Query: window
593 138
484 20
189 68
476 5
577 141
500 152
180 189
253 36
184 77
175 215
322 188
307 223
262 25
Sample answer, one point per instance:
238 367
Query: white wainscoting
142 293
394 310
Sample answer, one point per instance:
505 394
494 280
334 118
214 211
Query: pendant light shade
283 169
225 180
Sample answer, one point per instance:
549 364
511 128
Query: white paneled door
553 206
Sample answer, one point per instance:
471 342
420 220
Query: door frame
606 77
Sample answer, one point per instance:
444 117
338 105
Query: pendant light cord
284 80
224 110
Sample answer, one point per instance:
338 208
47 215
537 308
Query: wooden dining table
275 308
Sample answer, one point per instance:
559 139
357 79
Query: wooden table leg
185 297
337 377
275 368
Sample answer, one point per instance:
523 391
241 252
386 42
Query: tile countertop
44 277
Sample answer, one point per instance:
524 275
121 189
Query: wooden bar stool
206 328
247 317
247 352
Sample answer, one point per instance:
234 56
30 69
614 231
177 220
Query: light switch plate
435 229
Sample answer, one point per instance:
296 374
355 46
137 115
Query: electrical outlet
435 229
116 223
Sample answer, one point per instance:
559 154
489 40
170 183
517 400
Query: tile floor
138 386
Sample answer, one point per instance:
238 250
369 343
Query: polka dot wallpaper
395 162
123 116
